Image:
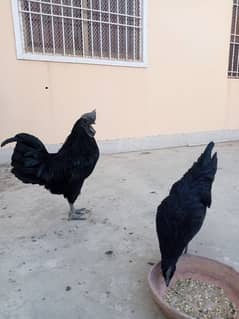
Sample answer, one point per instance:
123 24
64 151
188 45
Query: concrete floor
53 268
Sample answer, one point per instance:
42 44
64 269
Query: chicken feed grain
200 300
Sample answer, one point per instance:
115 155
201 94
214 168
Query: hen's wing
177 225
67 173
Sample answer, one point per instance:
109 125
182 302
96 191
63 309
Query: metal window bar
126 31
64 27
134 54
91 29
73 31
101 35
42 29
84 19
141 33
233 68
53 30
86 9
31 28
109 15
234 37
82 30
117 10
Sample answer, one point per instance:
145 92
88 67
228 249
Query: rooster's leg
75 214
81 211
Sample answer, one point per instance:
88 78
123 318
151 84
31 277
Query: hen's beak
168 276
167 281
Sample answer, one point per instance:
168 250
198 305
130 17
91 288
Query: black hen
181 214
63 172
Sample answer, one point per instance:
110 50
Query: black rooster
181 214
63 172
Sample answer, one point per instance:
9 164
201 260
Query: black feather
8 140
61 173
181 214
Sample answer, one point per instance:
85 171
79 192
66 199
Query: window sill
71 59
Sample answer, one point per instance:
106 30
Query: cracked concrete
53 268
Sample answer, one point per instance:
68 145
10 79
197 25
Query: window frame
22 55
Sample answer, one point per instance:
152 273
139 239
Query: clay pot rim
158 289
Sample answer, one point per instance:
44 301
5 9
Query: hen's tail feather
205 157
28 159
199 178
205 165
214 162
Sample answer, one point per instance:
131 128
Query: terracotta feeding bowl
196 268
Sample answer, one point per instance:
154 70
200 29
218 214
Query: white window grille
233 68
90 31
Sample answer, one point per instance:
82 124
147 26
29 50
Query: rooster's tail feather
28 159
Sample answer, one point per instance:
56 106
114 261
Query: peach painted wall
184 87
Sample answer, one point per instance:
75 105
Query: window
91 31
233 69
